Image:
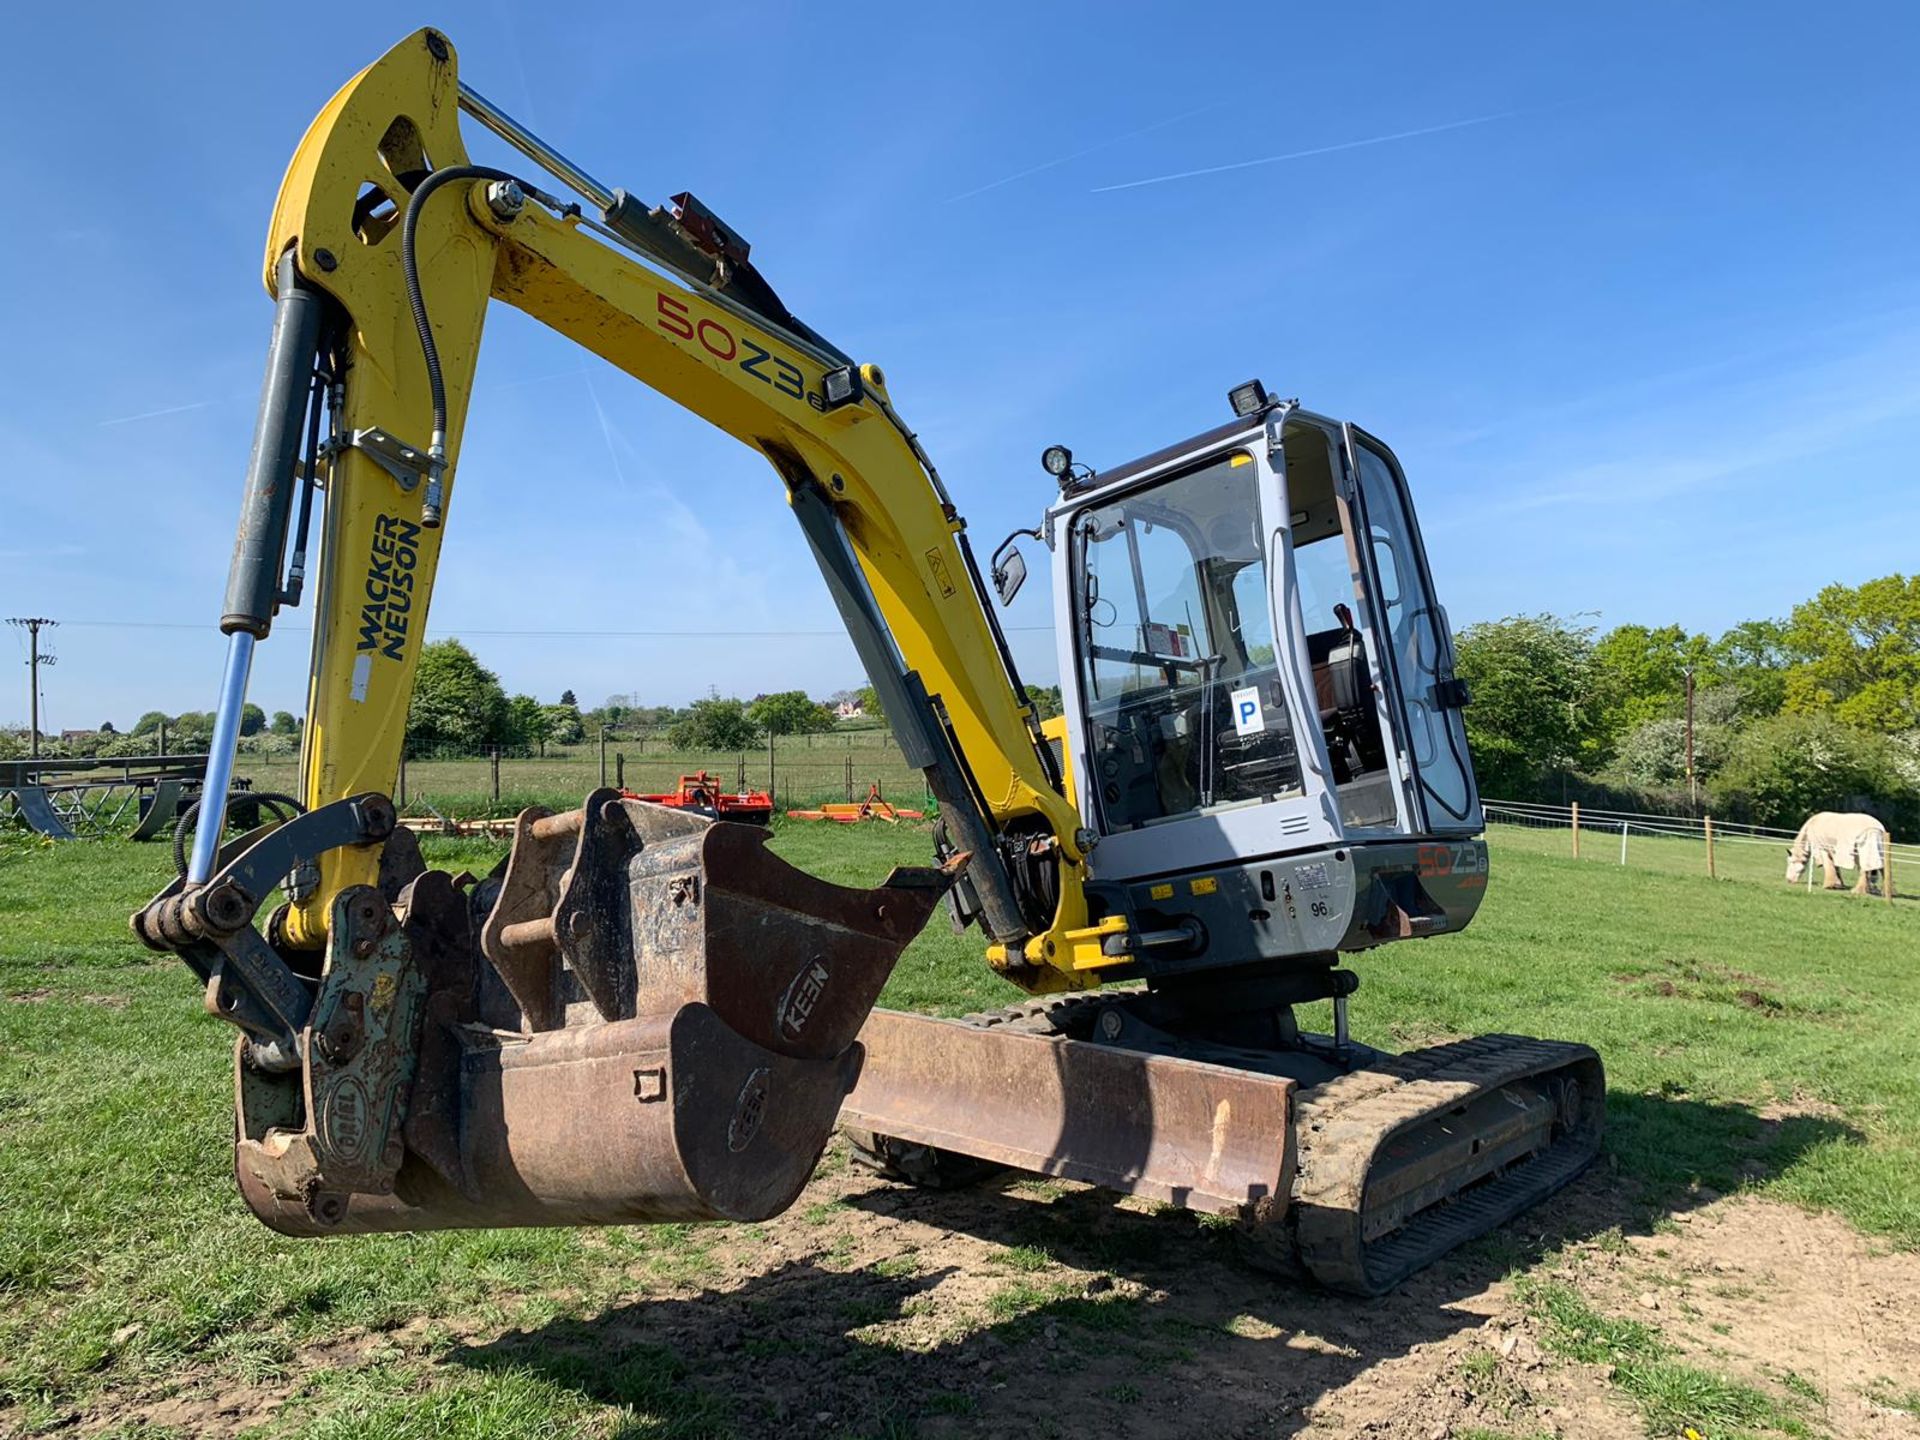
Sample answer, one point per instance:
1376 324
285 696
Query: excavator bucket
647 1016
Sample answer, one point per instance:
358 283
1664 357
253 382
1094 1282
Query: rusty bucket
647 1017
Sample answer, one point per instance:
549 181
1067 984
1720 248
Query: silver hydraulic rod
226 740
613 204
533 147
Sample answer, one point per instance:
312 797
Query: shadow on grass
1077 1316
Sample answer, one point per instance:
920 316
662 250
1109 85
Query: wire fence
797 770
1678 844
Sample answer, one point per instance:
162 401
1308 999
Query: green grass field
1756 1037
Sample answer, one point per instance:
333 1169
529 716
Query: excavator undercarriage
1346 1163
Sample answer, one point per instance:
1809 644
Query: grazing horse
1840 841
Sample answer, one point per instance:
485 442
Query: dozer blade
1384 1168
1206 1137
1406 1159
662 1028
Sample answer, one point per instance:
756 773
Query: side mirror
1009 572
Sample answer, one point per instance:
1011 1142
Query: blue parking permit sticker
1248 717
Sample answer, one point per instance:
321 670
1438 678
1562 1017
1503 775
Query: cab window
1185 708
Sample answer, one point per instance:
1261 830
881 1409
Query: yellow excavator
644 1015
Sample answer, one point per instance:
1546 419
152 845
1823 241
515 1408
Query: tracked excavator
644 1014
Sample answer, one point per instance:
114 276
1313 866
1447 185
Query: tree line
1818 711
460 707
185 733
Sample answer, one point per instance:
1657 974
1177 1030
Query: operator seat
1343 690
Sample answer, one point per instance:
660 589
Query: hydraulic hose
284 807
417 301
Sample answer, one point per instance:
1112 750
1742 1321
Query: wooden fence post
1710 871
1576 829
1886 872
403 779
1623 842
603 757
496 777
620 769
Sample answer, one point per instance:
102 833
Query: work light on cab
1248 399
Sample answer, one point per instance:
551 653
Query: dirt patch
1695 980
1762 1292
1039 1308
30 997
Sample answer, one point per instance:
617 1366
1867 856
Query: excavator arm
641 1015
382 231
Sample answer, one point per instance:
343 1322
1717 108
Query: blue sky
1632 291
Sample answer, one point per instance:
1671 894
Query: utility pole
33 624
1693 788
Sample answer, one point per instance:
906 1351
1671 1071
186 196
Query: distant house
79 735
849 710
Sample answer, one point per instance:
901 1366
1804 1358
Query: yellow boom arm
890 543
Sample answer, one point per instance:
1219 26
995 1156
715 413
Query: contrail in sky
1078 154
606 430
156 414
1304 154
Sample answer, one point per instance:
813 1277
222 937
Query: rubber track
1339 1127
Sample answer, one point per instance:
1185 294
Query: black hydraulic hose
410 269
285 807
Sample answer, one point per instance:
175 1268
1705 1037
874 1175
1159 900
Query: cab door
1418 659
1196 744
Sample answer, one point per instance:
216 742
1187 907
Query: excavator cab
1264 722
1262 733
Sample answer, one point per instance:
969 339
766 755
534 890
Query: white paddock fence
1690 844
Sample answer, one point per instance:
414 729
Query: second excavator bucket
647 1017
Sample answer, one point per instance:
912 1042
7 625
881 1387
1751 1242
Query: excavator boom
644 1014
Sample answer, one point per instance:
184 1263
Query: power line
537 634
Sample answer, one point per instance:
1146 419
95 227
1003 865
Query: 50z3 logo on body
387 608
671 315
